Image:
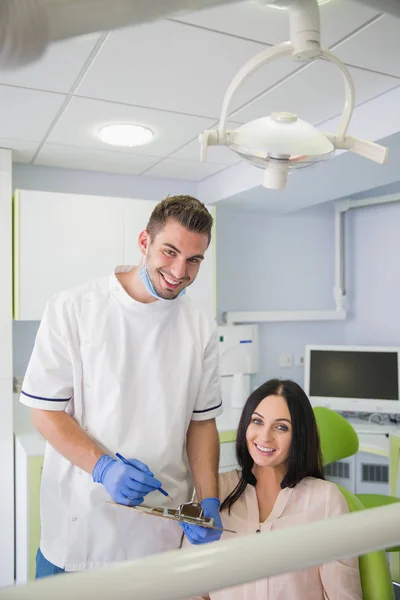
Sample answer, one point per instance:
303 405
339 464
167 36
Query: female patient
281 485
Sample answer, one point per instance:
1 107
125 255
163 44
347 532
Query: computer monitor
353 378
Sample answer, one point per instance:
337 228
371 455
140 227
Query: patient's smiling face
269 434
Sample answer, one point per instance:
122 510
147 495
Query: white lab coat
133 375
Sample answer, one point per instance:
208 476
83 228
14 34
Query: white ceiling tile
176 67
184 169
316 93
57 70
377 47
22 152
255 21
220 155
27 114
83 118
53 155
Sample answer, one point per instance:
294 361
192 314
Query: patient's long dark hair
304 453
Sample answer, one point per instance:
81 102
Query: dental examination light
282 142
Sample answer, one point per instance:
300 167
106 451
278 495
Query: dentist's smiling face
269 434
173 258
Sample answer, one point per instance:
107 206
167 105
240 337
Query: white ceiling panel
377 47
317 93
83 118
22 152
255 21
176 67
27 114
111 161
219 155
57 70
184 169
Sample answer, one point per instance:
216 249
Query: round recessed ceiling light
126 134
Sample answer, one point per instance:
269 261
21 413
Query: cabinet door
60 241
203 290
136 216
227 457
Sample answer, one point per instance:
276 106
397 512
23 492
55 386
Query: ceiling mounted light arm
282 142
349 93
341 140
261 59
364 148
305 29
212 137
222 137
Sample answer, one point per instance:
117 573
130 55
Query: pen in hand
124 460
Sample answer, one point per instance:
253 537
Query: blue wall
279 263
373 275
286 263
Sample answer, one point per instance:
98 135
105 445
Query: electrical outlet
285 361
299 361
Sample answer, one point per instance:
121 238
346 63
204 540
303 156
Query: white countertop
364 426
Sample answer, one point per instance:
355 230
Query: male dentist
128 364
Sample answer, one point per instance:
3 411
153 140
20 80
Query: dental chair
338 441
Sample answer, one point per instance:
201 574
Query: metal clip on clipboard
190 512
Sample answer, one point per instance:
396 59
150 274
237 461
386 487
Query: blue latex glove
202 535
126 484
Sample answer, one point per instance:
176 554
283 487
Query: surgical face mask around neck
144 276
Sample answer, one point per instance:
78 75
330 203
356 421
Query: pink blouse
311 500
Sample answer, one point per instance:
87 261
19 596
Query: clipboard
190 512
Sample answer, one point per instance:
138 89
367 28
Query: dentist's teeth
171 281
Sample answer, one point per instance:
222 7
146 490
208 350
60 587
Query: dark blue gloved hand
203 535
126 484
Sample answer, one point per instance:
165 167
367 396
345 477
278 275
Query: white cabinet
63 240
29 454
60 241
362 473
227 457
136 214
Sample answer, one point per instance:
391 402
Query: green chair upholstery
337 436
338 441
376 580
375 500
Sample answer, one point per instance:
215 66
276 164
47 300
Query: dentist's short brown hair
186 210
